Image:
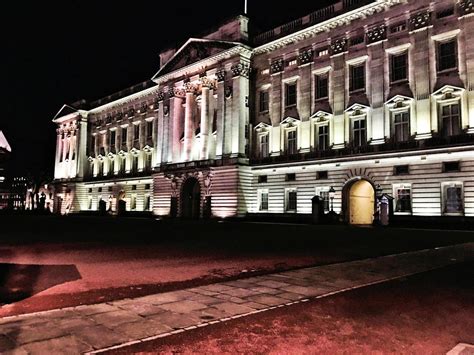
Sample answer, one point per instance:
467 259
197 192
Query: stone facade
374 91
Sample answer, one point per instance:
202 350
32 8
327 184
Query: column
466 35
240 111
188 123
176 111
160 152
57 170
339 89
377 94
220 114
205 127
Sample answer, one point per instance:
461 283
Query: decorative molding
208 83
420 20
161 96
466 6
377 34
220 75
241 69
277 66
338 46
306 57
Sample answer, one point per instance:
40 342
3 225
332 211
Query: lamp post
332 194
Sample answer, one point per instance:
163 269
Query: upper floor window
399 27
113 138
450 120
359 132
291 94
291 142
399 67
124 135
264 146
322 137
149 129
136 132
401 123
264 101
357 77
449 11
322 86
447 55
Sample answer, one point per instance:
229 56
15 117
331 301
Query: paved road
95 328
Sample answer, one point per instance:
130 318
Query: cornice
328 25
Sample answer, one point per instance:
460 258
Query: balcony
389 147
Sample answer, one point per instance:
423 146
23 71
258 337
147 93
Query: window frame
355 119
405 125
318 80
293 140
396 199
352 77
441 69
264 101
444 204
261 206
442 116
262 144
393 69
289 85
289 191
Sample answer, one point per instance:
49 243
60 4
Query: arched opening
191 199
359 203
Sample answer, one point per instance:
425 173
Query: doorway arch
359 202
191 199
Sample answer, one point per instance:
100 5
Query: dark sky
55 54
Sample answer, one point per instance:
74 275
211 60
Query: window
262 179
136 132
149 161
100 189
264 146
291 143
124 136
452 166
322 86
291 200
89 207
399 67
354 41
290 177
403 199
149 129
445 13
322 52
110 189
134 164
450 120
360 132
292 62
264 101
133 203
147 187
357 77
322 137
453 198
147 203
402 170
401 124
113 138
263 200
399 27
323 193
291 95
134 188
322 175
447 57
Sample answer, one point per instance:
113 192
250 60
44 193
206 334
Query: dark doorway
191 199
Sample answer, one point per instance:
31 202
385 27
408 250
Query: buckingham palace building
358 100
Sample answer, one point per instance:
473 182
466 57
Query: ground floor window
453 198
323 193
147 203
291 200
403 203
89 203
133 203
263 200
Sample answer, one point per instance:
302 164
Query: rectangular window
113 138
400 27
450 120
354 41
291 200
322 137
147 203
401 123
452 166
291 143
322 175
323 194
133 203
124 138
399 67
445 13
322 52
357 77
291 95
264 101
264 151
447 56
360 132
290 177
453 198
403 199
263 200
149 130
402 170
322 86
136 132
262 179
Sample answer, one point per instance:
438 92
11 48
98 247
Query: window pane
399 67
291 95
403 200
454 203
357 77
322 86
447 55
292 201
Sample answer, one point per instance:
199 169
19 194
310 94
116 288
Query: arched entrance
360 202
191 199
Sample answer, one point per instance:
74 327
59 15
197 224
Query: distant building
5 151
354 101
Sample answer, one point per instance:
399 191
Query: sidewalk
117 324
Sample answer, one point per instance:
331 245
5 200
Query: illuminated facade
352 101
5 151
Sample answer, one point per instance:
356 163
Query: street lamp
332 194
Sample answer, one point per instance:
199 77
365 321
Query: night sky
55 54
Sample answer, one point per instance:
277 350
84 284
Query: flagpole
246 8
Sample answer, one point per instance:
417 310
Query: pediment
321 115
66 110
398 98
447 88
193 51
262 126
4 143
357 106
290 121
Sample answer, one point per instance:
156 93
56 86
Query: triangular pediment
321 115
447 88
357 106
193 51
4 143
290 121
66 110
398 98
262 126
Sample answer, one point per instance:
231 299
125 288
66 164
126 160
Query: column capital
241 69
206 82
